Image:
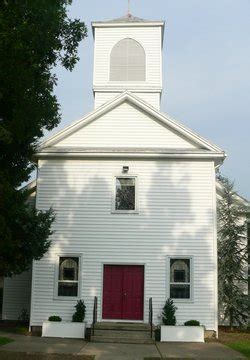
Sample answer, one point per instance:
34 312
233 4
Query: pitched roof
243 201
131 98
128 18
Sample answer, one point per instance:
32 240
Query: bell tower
128 57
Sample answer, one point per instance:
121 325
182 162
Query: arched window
180 278
127 61
68 278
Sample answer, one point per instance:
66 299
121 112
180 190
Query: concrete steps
124 333
117 340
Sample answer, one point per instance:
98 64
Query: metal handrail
94 315
150 316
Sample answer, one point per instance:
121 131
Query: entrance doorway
123 292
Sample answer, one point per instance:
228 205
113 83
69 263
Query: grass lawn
5 340
237 340
7 355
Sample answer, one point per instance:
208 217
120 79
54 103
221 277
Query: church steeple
128 56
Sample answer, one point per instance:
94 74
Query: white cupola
128 57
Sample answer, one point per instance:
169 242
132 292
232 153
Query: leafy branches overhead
35 35
232 254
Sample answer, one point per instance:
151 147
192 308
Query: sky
206 69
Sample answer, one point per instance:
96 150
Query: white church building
134 193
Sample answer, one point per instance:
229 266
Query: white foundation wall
16 295
176 217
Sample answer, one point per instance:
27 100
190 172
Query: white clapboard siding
126 126
148 37
176 217
16 295
152 98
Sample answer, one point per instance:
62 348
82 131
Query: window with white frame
125 194
180 278
68 276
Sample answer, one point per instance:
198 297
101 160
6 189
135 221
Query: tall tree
232 255
35 35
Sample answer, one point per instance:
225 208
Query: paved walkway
102 351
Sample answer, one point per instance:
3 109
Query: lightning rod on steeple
129 8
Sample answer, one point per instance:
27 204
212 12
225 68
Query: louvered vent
127 61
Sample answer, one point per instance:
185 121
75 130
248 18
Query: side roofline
241 199
30 187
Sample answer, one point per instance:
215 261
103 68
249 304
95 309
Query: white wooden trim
95 24
145 155
215 252
138 88
161 55
33 261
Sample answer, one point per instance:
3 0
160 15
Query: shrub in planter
192 323
79 315
168 313
55 318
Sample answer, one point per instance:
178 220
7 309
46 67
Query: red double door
123 292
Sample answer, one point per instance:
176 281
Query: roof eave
99 24
216 157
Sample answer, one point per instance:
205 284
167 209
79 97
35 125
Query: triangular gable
125 126
128 117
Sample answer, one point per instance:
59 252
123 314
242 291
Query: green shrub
192 323
79 315
168 313
55 318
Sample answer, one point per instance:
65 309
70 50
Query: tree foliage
35 35
232 255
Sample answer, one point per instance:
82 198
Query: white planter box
64 329
182 333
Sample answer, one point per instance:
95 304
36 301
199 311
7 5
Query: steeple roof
128 19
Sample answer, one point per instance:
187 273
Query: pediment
127 122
